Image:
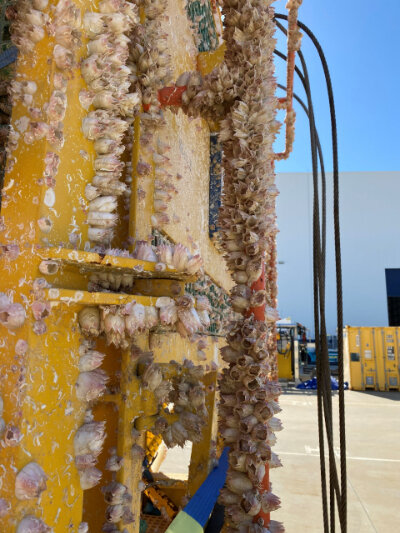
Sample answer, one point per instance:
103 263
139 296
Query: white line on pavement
355 458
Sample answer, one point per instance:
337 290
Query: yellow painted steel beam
39 367
66 296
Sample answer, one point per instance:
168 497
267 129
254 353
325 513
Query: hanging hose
323 368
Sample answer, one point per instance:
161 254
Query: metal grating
5 39
215 186
154 524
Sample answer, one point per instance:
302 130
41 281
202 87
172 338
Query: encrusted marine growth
180 386
120 324
112 109
240 94
89 439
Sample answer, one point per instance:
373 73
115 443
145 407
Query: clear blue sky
361 41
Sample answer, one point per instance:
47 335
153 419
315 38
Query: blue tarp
311 384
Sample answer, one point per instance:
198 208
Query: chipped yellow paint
207 61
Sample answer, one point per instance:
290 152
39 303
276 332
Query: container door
368 358
380 350
392 358
353 356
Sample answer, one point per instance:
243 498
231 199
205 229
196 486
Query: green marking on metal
201 15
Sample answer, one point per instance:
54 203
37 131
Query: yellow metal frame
38 386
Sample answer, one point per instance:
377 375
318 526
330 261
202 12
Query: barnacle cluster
118 498
89 438
240 93
176 257
149 59
30 23
180 386
121 324
247 220
108 79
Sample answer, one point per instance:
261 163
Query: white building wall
370 238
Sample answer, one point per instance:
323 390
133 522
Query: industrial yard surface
373 462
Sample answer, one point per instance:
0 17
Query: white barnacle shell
64 58
275 424
89 321
91 192
89 478
40 4
135 318
194 264
35 33
152 377
90 360
109 185
102 220
30 482
89 439
31 524
113 325
91 385
106 146
114 463
129 104
12 316
108 163
151 317
164 254
270 502
117 22
49 267
5 507
83 527
110 6
167 310
180 257
101 235
104 204
101 45
114 493
45 224
29 87
93 24
238 482
144 251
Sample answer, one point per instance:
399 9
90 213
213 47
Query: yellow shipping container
372 358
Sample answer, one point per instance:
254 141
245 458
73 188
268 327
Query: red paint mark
171 95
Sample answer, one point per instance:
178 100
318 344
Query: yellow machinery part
285 361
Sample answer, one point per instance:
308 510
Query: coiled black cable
323 369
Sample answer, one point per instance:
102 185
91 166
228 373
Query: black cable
318 301
339 295
320 409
